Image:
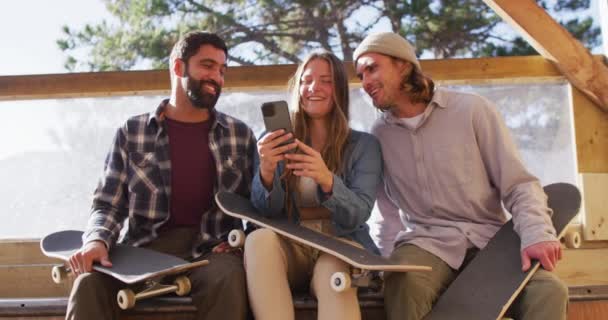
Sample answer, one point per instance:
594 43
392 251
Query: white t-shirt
413 121
309 197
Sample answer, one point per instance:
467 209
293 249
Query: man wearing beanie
450 164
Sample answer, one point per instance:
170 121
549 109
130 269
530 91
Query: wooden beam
23 251
578 267
20 281
256 78
591 131
595 203
556 44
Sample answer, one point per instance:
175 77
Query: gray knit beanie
387 43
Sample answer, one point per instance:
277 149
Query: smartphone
276 116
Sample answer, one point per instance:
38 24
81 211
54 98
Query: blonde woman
329 184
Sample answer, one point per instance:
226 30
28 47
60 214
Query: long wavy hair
420 87
338 128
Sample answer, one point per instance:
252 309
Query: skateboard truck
127 298
140 268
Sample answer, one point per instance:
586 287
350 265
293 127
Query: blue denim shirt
353 193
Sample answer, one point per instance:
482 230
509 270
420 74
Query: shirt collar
439 99
159 115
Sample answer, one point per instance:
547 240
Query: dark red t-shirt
192 172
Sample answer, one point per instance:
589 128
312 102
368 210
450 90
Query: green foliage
447 28
282 31
581 29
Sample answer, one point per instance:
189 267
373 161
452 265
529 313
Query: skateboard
364 264
131 265
492 280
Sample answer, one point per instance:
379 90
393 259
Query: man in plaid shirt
158 185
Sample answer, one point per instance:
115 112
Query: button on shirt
445 178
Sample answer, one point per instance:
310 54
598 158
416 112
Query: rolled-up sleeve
268 203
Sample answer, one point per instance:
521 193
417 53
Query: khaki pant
218 289
275 265
411 295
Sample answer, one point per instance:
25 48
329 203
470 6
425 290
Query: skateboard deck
239 207
492 280
130 265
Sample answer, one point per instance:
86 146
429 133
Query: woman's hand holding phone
311 164
272 149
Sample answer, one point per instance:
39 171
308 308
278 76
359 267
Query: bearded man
158 187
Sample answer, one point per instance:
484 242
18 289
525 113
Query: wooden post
556 44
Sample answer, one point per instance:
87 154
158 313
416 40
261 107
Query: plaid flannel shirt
135 188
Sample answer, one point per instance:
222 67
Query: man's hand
82 260
547 252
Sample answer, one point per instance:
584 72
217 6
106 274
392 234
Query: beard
385 105
200 98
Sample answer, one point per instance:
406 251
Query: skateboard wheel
236 238
340 281
572 240
59 274
125 299
183 286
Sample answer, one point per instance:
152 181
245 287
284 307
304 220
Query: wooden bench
179 308
586 302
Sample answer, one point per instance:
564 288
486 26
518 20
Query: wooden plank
15 252
22 281
591 130
594 186
556 44
256 78
499 70
588 310
55 308
580 267
169 307
88 84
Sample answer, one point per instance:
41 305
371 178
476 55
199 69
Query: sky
29 30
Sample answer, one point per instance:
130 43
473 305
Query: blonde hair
339 130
